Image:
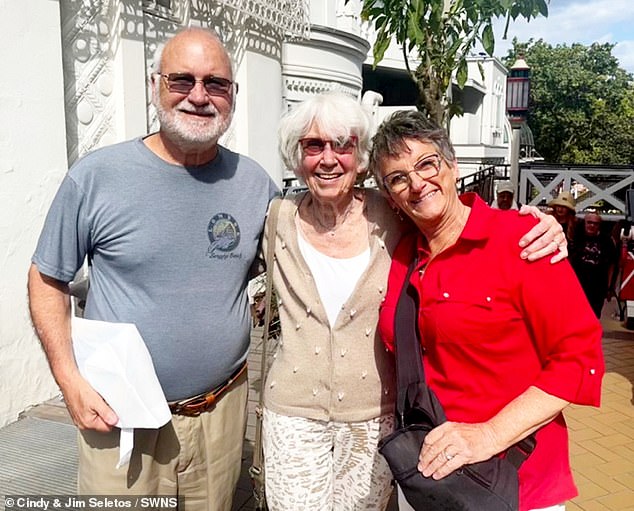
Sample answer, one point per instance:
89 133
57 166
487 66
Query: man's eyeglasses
316 146
425 168
183 83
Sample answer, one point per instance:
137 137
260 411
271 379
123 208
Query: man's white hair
158 53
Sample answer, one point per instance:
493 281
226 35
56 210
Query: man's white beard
188 133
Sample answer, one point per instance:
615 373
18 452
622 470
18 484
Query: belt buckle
194 406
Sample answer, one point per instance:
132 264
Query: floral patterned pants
329 466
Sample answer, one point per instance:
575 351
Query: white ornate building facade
75 75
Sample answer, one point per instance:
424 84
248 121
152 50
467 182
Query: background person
503 361
594 259
564 210
153 215
329 395
504 196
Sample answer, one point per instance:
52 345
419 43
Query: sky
578 21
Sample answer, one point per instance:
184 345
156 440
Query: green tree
581 102
440 34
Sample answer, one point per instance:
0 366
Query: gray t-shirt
171 249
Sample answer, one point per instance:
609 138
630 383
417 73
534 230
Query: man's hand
49 301
544 239
87 408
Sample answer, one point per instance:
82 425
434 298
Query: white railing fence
595 187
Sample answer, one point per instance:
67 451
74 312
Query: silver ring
448 456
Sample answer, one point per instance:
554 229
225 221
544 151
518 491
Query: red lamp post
517 96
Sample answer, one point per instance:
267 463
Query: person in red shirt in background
503 359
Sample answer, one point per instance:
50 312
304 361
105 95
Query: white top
335 278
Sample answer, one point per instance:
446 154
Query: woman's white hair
336 115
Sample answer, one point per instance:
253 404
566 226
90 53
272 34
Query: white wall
32 163
261 111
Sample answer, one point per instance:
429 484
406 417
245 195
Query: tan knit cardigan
342 373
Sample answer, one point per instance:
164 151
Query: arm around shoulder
544 239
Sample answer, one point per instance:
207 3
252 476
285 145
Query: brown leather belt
194 406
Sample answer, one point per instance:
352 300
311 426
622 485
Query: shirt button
445 295
593 371
488 298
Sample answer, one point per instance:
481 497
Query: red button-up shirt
493 325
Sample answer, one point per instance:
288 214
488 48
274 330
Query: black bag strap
407 347
412 391
416 402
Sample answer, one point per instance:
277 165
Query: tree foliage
439 34
581 102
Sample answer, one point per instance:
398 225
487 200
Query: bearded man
170 224
594 258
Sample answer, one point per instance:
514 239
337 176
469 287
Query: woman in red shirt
503 359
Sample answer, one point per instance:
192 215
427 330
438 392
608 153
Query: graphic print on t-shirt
224 235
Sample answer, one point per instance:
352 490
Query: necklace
452 235
332 230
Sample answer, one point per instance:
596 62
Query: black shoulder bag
490 485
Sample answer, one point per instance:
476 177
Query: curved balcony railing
290 16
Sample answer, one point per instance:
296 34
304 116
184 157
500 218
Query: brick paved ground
602 440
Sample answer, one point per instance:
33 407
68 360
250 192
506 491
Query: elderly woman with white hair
329 395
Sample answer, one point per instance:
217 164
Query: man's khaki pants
198 458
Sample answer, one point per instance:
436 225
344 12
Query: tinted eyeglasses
316 146
183 83
425 168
